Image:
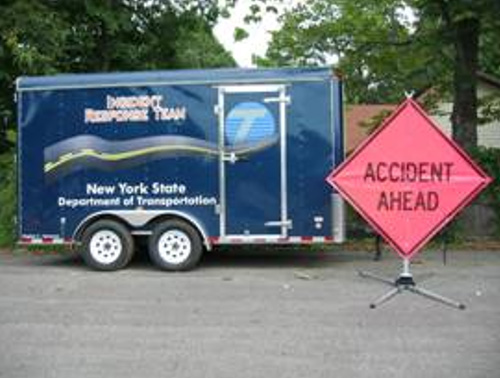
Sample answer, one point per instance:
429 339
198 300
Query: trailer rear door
253 160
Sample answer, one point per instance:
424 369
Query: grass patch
7 200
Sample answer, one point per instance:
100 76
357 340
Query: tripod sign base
405 282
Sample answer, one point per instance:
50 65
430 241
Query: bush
489 160
462 228
7 199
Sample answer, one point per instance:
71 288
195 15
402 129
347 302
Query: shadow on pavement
272 257
261 257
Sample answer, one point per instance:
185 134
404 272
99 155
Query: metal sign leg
375 277
405 282
437 297
384 298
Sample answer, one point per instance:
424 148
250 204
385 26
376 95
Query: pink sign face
408 180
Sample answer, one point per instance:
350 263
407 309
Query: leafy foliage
489 160
377 45
240 34
489 108
39 37
388 47
7 200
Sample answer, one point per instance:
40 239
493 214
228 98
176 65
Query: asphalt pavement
249 313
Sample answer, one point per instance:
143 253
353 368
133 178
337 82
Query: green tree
181 40
388 47
101 35
377 51
463 25
197 48
39 37
28 43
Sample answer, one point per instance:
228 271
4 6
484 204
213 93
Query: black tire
107 245
175 246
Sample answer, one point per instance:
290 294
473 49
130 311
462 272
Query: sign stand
408 180
405 282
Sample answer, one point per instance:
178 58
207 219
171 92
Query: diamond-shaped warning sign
408 180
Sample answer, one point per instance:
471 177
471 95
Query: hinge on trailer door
286 99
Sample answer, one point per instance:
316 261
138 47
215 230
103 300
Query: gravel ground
249 313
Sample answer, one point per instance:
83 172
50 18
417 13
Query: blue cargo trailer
189 159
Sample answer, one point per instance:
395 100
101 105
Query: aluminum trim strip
283 164
19 211
173 82
222 166
270 239
257 88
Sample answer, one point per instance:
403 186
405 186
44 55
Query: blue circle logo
249 123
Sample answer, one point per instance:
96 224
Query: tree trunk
5 144
464 115
104 45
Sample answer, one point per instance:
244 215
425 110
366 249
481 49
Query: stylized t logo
248 116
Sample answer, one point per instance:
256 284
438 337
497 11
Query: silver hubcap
174 246
105 246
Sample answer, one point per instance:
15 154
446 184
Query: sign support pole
405 282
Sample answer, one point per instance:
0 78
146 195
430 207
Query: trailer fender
138 219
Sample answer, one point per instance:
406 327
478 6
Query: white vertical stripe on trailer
222 174
283 163
19 159
337 202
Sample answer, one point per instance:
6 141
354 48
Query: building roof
490 79
482 77
356 118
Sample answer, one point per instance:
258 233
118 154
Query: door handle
231 157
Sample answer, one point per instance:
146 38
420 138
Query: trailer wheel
175 245
107 245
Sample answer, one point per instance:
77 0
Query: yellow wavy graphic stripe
64 159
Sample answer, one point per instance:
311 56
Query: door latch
231 157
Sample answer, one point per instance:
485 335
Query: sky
259 34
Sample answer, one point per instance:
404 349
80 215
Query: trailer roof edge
174 77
